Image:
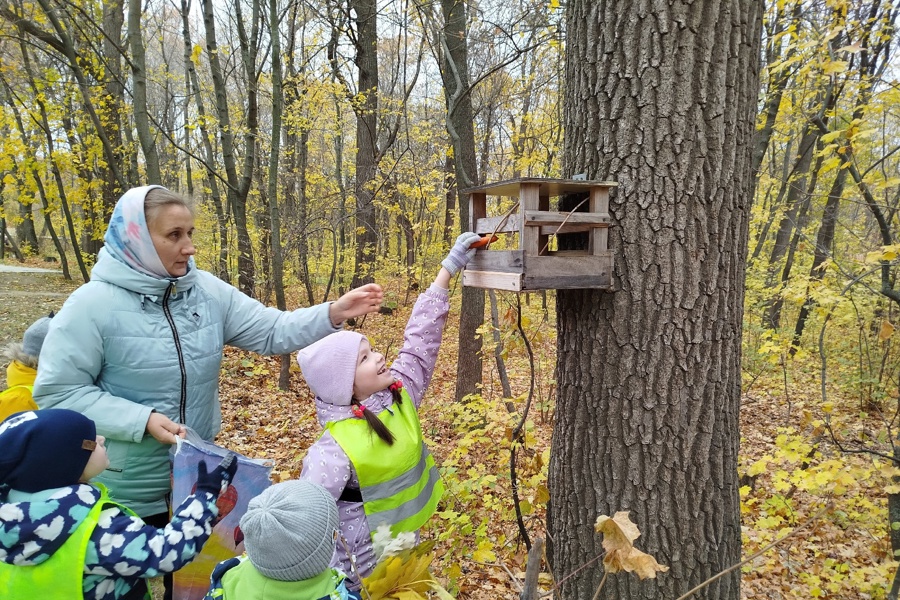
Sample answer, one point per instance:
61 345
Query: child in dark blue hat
62 537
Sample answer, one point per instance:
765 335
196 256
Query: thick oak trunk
661 98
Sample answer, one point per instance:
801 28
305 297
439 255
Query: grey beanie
289 530
34 336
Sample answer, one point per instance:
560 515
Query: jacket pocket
117 451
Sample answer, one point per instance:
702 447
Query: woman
138 348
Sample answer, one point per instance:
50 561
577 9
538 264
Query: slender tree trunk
649 372
366 138
237 189
274 159
777 81
54 168
450 199
139 92
772 317
211 178
25 232
455 75
498 346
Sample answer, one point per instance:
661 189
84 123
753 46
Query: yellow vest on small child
18 397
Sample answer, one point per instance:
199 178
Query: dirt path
27 293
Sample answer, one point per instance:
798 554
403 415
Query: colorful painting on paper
252 477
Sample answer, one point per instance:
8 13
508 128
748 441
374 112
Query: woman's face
171 230
97 463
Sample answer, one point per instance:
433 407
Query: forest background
327 144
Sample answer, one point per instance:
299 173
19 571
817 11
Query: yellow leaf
833 67
485 553
541 495
886 330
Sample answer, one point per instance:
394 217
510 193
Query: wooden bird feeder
580 258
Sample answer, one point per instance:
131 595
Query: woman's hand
163 429
355 303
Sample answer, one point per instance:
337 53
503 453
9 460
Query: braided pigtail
395 391
374 422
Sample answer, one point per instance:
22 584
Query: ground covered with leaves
796 481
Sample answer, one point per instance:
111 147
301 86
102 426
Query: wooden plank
599 203
567 228
548 186
569 265
506 261
562 282
568 272
529 200
492 280
489 225
574 218
477 208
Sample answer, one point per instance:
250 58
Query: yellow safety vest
60 577
399 484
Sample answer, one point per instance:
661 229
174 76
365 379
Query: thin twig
600 587
762 551
569 214
575 572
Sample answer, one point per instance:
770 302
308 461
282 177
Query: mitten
219 478
461 252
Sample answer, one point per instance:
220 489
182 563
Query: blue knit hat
45 449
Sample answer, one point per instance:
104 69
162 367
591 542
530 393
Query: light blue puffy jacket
126 344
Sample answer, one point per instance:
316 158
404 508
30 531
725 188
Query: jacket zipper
182 405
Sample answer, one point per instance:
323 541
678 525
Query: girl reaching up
372 457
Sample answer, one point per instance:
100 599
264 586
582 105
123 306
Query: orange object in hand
488 239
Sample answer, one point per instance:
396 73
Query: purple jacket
328 465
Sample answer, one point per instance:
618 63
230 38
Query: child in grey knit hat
289 533
22 369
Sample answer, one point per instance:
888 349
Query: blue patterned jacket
122 548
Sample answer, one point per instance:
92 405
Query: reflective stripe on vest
60 577
400 484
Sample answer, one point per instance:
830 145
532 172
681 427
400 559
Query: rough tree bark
661 97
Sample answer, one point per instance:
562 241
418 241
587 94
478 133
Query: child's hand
219 478
461 253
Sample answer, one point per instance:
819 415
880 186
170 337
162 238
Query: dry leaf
886 330
619 534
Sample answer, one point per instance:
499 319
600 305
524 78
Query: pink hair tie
358 411
396 386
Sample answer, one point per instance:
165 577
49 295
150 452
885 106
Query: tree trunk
25 232
824 240
649 372
274 158
237 189
211 177
777 81
366 138
455 75
139 92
